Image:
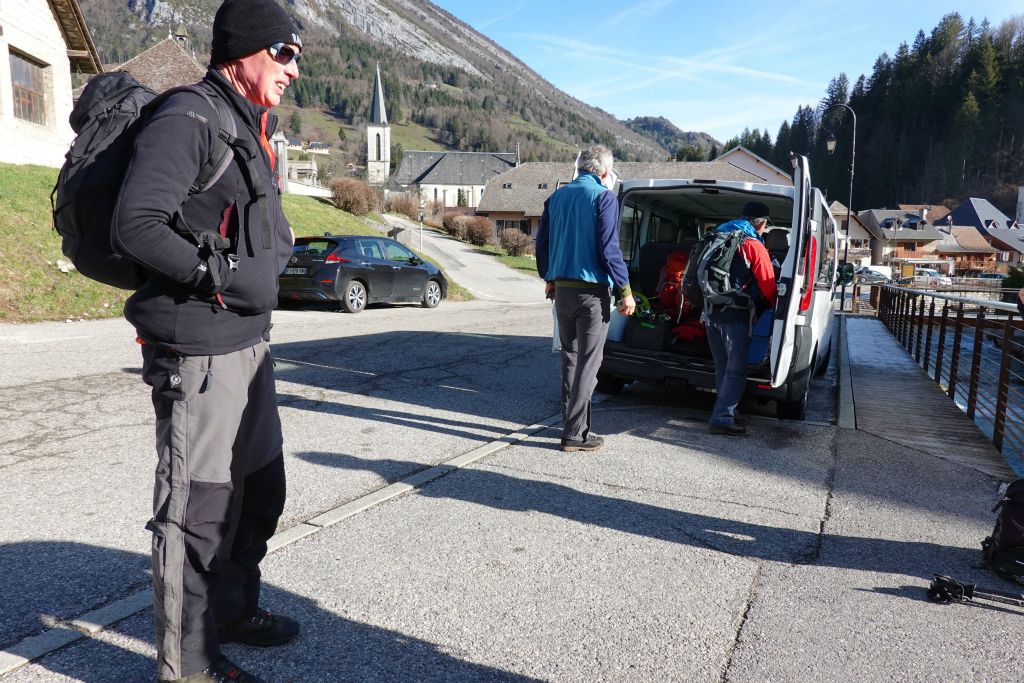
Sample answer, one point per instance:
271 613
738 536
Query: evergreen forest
939 121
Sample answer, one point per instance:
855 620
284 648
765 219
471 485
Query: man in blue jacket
579 257
203 320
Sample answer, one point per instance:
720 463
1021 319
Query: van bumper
670 369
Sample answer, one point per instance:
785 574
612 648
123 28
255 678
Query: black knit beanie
242 27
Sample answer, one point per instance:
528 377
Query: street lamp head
830 143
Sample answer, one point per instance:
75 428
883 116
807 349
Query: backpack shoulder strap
225 140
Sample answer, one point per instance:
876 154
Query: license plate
294 271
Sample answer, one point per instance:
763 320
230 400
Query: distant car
929 277
866 275
998 277
355 270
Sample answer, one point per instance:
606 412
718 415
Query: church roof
378 115
451 168
165 65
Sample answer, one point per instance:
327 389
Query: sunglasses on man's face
284 54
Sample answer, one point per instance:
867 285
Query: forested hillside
682 145
940 121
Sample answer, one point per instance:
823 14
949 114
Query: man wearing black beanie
203 321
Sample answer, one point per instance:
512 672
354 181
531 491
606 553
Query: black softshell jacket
178 308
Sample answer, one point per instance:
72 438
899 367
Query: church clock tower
378 138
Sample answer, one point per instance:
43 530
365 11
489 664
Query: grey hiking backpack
709 276
108 116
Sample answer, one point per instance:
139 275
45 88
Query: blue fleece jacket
578 237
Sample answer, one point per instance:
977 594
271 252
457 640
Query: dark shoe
221 671
262 630
741 420
591 443
731 429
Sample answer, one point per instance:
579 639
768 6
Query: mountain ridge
496 99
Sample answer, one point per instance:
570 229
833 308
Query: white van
659 218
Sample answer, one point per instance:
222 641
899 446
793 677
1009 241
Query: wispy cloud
503 17
632 14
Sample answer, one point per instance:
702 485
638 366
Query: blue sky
716 67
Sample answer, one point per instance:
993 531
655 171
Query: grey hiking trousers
583 316
218 494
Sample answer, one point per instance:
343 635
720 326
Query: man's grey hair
758 222
596 159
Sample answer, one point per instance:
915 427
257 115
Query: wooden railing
973 347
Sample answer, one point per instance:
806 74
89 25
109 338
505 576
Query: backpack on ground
708 278
1003 551
108 116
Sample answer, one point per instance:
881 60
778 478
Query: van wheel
796 409
606 384
822 366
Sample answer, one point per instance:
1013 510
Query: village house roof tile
1007 239
530 184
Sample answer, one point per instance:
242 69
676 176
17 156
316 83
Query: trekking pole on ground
946 589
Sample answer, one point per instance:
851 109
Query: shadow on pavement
735 537
330 648
61 580
489 376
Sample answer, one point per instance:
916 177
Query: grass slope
33 288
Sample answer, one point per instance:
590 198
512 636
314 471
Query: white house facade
41 43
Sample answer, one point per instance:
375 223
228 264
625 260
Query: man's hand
627 305
549 290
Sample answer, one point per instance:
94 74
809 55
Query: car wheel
432 294
353 299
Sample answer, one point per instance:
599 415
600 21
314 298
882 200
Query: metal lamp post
830 147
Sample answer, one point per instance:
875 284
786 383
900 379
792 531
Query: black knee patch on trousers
261 496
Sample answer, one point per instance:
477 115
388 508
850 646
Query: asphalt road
798 553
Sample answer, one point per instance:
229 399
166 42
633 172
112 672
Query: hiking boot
221 671
591 443
731 429
262 630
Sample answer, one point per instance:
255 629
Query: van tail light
334 257
764 386
809 261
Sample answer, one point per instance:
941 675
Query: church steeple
378 115
378 137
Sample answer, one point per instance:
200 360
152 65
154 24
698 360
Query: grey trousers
583 316
729 341
219 491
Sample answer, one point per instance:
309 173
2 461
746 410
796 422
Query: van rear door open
791 278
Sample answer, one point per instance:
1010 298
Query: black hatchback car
355 270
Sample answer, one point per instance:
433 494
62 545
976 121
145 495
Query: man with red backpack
203 320
730 307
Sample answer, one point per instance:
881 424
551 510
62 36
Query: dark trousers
729 340
583 315
219 491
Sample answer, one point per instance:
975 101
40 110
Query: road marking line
91 623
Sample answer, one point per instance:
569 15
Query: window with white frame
27 89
